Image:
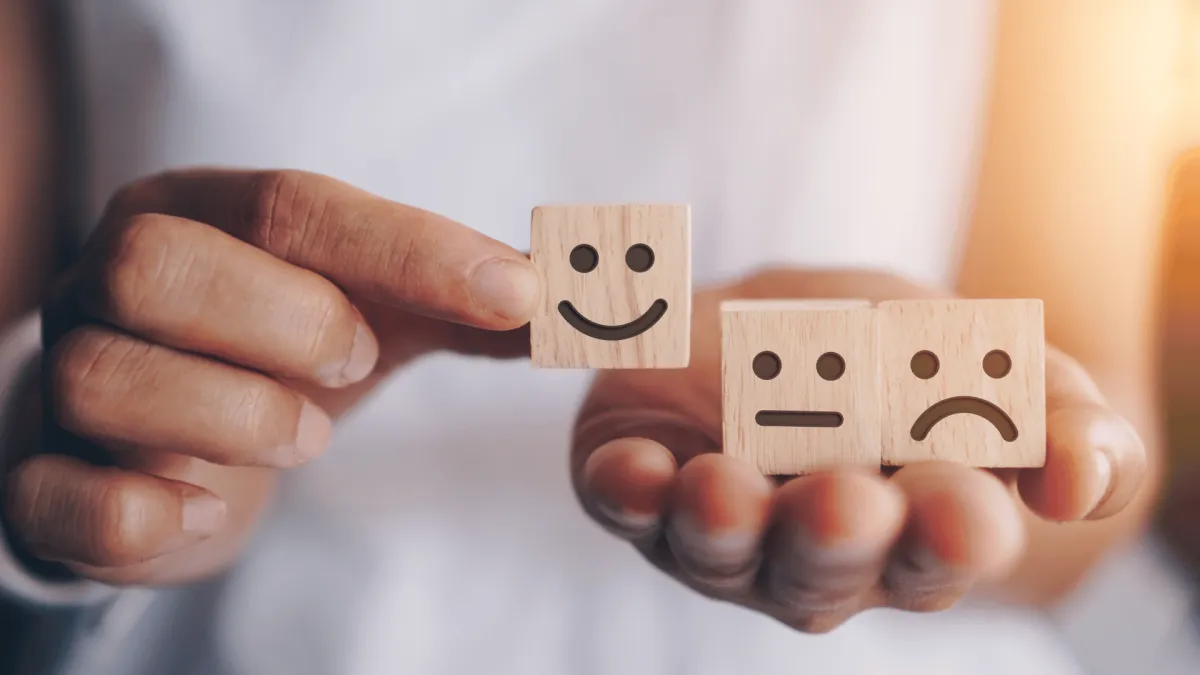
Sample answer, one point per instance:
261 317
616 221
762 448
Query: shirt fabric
805 132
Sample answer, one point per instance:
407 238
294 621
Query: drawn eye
584 258
925 365
767 366
639 257
996 364
831 366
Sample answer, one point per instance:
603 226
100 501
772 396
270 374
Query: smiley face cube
617 286
964 381
800 384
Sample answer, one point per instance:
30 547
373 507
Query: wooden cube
800 384
965 381
617 286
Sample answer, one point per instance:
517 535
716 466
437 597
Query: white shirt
810 132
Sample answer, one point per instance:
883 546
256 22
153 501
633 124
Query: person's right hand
215 325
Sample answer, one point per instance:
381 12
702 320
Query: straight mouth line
790 418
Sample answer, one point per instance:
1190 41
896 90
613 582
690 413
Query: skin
26 167
337 289
813 551
284 297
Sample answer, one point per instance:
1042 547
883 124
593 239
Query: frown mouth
968 405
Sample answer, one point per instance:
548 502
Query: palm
814 550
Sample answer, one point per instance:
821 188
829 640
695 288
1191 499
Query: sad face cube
617 286
800 384
964 380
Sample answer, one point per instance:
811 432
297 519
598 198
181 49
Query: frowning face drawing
963 380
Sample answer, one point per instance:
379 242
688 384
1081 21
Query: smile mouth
612 333
968 405
790 418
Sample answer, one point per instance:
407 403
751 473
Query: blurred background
1094 123
1089 99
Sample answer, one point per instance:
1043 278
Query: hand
217 323
813 551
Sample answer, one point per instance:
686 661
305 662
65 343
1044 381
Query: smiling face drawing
800 384
639 259
963 381
617 286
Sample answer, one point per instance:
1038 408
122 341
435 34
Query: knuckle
120 534
280 209
152 266
131 198
327 320
82 368
405 259
254 409
23 496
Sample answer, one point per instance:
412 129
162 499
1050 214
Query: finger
118 391
66 510
385 252
830 535
186 285
423 334
963 526
614 410
624 486
1095 460
718 512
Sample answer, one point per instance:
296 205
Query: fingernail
717 551
313 432
923 559
506 288
918 569
203 514
812 576
1104 473
832 554
364 352
625 521
815 575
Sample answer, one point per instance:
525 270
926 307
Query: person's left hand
815 550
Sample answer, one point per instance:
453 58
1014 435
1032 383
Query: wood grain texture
612 293
961 334
799 334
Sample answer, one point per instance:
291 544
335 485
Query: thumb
633 431
404 336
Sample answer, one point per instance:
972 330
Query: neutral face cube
617 286
964 380
800 383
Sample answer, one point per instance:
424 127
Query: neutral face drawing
963 381
617 290
830 366
800 381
